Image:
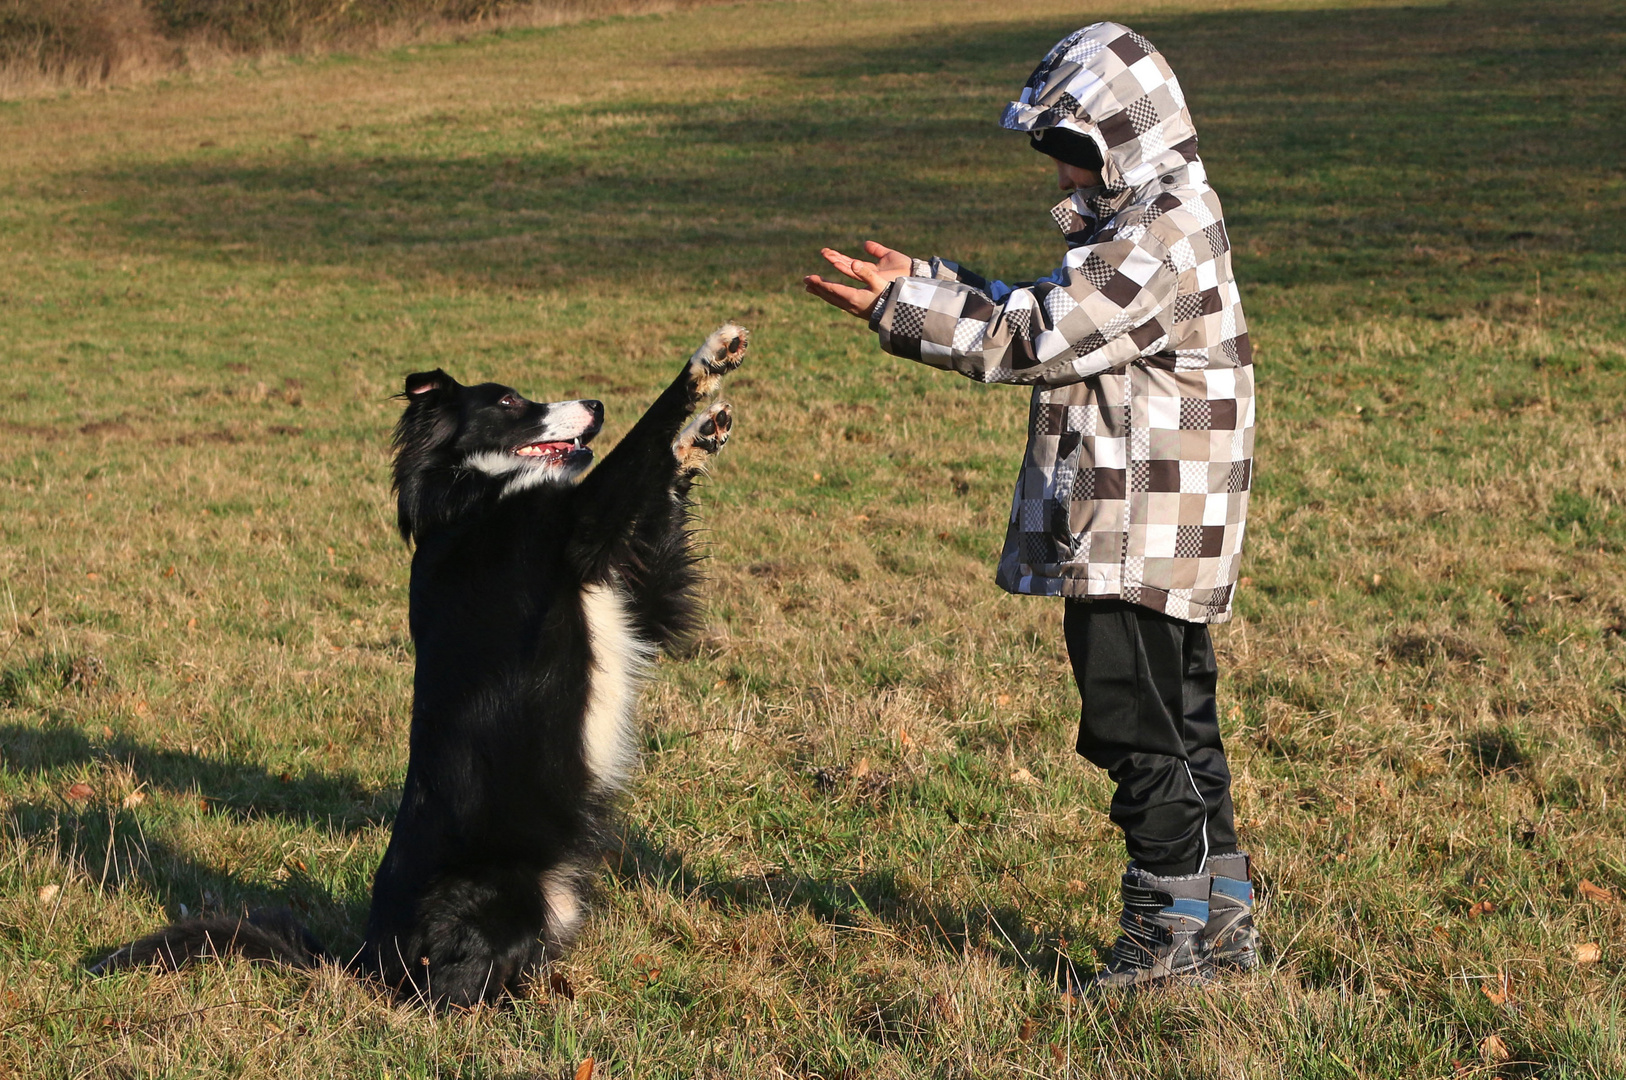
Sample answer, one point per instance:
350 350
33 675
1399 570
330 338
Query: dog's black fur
537 597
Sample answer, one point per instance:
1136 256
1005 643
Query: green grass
832 864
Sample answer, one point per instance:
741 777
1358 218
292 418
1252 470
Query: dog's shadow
339 802
633 859
106 835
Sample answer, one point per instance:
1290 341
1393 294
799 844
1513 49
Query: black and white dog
540 594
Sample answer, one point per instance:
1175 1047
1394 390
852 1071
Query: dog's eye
511 401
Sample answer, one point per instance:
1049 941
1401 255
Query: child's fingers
857 269
882 253
825 290
852 301
865 272
840 295
842 263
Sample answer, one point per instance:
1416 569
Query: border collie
540 595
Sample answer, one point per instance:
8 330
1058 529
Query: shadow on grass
114 850
878 896
109 841
338 802
1402 142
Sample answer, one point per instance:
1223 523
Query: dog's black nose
597 409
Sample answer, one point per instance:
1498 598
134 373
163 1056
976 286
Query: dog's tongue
543 448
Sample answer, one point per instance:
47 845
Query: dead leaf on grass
560 986
48 893
1587 952
134 799
584 1071
79 792
1484 907
1596 892
1022 776
1502 992
647 967
1492 1048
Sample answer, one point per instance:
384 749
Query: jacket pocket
1058 508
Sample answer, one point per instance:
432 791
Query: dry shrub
52 43
78 42
257 25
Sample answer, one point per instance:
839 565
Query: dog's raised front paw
721 353
706 434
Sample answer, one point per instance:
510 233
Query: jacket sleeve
944 270
1106 306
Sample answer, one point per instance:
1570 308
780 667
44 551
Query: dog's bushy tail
271 934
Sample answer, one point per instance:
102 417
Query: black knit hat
1068 146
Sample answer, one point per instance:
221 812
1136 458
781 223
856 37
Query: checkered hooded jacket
1140 437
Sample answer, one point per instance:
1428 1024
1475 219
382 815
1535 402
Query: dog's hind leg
564 890
479 937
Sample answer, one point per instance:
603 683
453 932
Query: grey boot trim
1229 938
1162 921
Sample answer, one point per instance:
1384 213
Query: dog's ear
427 384
427 424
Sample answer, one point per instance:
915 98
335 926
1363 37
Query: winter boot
1230 939
1162 921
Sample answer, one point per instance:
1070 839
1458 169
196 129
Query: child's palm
875 276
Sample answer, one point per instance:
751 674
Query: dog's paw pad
722 352
705 435
718 422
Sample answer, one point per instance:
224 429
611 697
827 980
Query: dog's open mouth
553 453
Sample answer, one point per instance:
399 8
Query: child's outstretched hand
875 276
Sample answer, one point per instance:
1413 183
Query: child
1134 489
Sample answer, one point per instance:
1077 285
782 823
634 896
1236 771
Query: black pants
1147 683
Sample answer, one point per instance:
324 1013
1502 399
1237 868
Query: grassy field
860 836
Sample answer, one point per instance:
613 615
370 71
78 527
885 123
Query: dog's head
456 443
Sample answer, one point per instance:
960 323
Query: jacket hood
1110 84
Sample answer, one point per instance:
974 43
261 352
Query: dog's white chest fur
620 661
